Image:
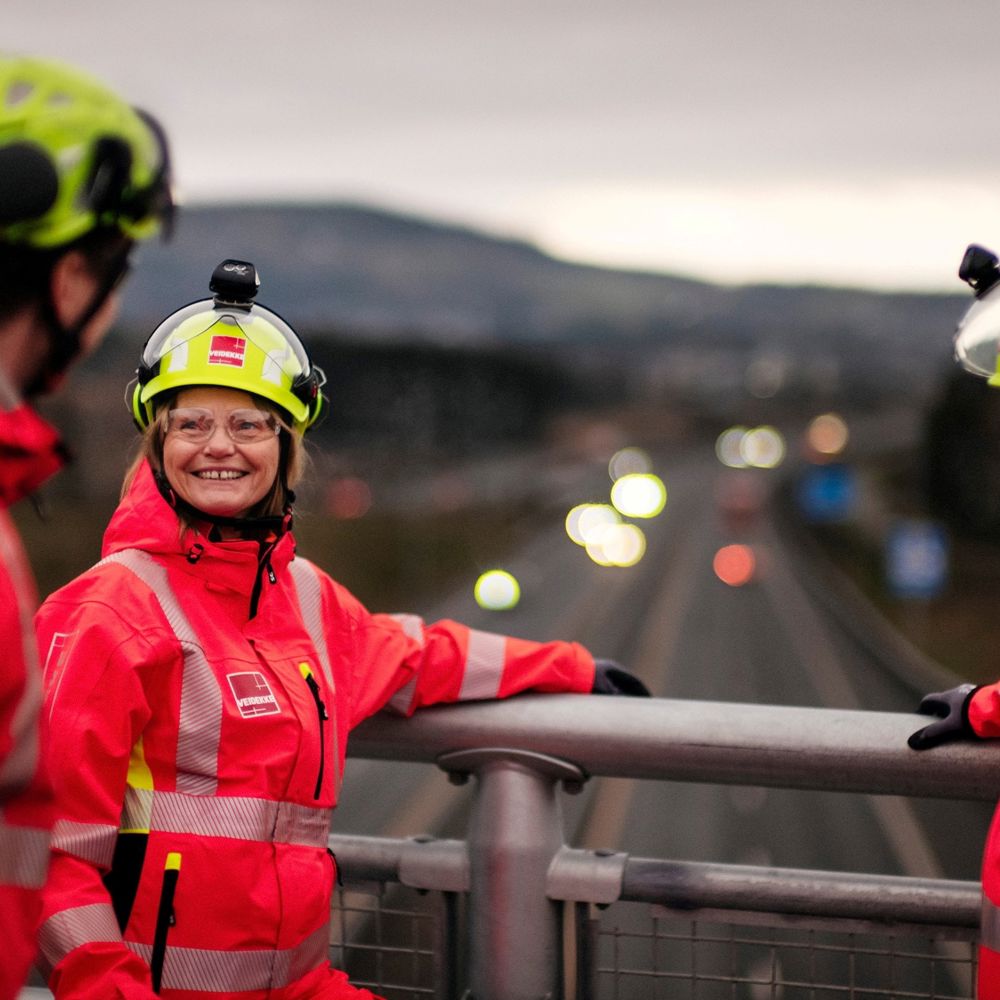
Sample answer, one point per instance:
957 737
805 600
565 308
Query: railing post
514 833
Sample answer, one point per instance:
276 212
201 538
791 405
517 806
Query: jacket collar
145 520
30 451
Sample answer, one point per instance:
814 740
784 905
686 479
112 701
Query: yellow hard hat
229 341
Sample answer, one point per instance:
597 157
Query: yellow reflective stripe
484 665
235 971
24 855
93 842
69 929
989 925
232 816
139 775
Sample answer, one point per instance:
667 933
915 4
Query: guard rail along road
516 914
522 909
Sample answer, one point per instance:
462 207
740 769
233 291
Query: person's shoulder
107 583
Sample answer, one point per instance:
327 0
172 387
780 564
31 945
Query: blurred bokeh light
629 462
827 435
497 590
735 564
639 495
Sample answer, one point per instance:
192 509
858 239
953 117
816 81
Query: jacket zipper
310 680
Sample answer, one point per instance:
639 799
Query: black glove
952 707
610 678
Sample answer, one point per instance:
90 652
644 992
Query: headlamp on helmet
977 339
232 342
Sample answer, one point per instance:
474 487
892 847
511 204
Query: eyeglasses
196 425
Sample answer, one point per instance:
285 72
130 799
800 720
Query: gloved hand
952 707
612 678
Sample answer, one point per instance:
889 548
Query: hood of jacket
145 520
30 451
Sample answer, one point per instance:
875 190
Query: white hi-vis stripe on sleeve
989 925
24 855
308 589
69 929
94 842
483 666
413 628
237 971
238 817
199 732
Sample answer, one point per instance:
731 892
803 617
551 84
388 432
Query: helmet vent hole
18 93
60 99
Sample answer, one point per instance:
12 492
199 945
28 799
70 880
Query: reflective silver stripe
24 855
310 594
199 730
69 929
989 925
413 628
234 816
20 763
137 810
94 842
241 818
307 586
233 971
483 666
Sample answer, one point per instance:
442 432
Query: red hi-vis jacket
29 453
182 723
984 717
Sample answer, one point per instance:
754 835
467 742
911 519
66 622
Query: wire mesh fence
651 952
397 942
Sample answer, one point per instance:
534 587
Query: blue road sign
916 559
828 492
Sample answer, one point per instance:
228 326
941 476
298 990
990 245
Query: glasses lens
248 426
191 423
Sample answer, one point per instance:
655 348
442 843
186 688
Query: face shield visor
977 339
216 344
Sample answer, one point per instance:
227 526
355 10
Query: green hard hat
74 157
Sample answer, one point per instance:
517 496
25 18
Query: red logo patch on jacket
253 694
227 350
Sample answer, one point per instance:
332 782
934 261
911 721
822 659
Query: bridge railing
517 913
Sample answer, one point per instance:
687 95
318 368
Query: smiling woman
204 677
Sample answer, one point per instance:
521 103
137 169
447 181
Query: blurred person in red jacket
203 678
83 176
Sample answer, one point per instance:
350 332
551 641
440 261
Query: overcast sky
853 141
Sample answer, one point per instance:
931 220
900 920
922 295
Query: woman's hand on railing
952 708
612 678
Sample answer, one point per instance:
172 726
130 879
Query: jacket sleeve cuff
980 711
584 670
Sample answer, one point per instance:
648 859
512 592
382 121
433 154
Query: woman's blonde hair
292 461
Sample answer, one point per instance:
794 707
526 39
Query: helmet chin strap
65 341
277 523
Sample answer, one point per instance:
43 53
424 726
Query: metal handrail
701 741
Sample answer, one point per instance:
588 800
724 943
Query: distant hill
363 268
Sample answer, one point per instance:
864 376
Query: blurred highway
782 637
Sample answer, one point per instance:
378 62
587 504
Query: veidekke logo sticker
253 695
225 350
